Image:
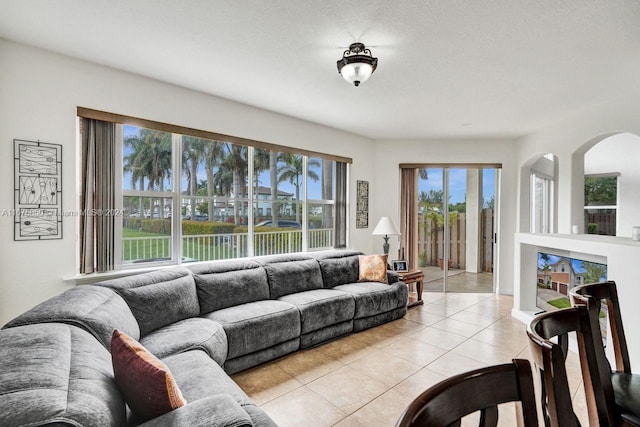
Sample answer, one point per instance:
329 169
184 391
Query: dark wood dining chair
550 357
481 390
624 385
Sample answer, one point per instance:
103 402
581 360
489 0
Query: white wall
389 154
619 153
39 93
569 139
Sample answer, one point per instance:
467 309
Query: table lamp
385 228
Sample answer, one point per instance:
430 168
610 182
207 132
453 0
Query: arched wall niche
545 164
610 153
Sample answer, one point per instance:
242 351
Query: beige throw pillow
373 268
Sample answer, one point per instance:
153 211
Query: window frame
586 208
547 206
175 195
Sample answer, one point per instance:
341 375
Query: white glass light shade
356 72
385 227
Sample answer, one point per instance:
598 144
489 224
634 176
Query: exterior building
560 276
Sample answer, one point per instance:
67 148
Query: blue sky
457 183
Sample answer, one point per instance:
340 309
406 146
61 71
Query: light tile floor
368 378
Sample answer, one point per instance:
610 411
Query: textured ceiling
447 68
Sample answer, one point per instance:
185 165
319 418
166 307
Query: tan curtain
97 229
409 215
340 238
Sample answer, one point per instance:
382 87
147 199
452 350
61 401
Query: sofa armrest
392 276
220 410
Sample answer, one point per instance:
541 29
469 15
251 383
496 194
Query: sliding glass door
456 238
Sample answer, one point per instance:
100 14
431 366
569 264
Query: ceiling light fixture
357 64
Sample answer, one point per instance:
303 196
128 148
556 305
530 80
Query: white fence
206 247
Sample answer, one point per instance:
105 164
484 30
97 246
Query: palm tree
200 151
292 170
231 176
213 154
156 158
150 158
223 181
193 150
327 192
260 164
136 145
273 179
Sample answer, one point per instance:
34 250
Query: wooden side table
414 276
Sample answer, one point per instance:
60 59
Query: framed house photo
400 265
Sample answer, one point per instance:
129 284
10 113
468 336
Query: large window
233 200
188 198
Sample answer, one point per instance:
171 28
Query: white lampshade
385 227
356 73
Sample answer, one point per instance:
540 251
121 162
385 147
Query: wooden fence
606 222
431 238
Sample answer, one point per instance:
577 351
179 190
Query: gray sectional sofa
205 322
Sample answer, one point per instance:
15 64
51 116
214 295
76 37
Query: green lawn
130 232
195 248
560 302
565 303
160 248
139 250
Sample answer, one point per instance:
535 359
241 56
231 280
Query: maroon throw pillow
146 383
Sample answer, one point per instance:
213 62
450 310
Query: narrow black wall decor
37 190
362 204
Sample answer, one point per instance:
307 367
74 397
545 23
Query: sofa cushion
198 377
372 268
374 298
338 267
257 325
158 298
145 381
188 334
56 374
222 284
97 310
320 308
288 276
